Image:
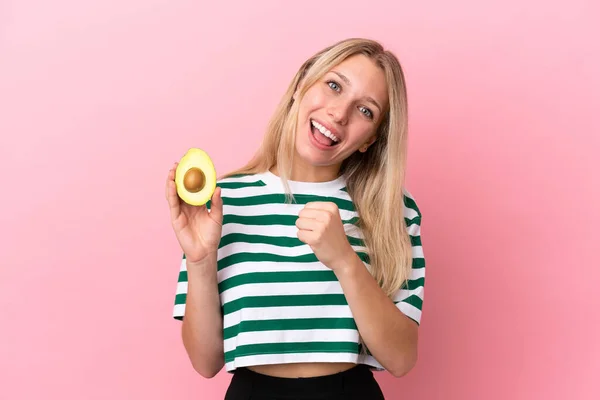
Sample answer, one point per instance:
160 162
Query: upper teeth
324 131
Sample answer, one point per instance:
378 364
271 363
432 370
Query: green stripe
285 301
295 276
415 240
301 347
266 257
279 198
311 257
289 324
413 284
353 221
355 241
413 300
291 276
277 277
180 298
418 263
183 276
410 203
415 220
240 185
281 241
269 219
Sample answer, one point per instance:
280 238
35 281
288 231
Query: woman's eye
333 85
366 111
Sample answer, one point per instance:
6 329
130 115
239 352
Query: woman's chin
310 157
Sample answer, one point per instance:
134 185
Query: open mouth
323 135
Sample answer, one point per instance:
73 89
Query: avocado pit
194 180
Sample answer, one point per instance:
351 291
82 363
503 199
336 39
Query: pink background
98 98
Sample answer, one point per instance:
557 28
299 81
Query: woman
305 271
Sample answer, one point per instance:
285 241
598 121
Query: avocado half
195 177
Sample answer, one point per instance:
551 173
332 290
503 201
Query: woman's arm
202 329
390 336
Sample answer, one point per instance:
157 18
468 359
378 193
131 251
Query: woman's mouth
322 135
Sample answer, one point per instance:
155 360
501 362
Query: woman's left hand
320 226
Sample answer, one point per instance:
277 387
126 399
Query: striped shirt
279 303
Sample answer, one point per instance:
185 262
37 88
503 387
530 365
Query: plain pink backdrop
99 98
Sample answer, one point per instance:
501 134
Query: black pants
357 383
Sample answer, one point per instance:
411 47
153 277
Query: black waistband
333 383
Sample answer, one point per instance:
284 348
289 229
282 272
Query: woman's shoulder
411 210
240 180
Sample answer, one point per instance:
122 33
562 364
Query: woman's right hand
197 230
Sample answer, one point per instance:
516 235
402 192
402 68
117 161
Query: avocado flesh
195 177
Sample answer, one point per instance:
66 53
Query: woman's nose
339 112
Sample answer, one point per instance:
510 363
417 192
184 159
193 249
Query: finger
307 237
216 205
321 205
173 198
313 213
308 224
170 177
172 171
174 203
318 205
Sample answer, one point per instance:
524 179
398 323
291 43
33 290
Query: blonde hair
374 179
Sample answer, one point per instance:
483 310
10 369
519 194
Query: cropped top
279 303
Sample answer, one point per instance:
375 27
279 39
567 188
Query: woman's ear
298 88
295 96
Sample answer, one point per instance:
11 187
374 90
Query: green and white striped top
279 303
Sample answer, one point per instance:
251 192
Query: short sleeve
409 298
181 291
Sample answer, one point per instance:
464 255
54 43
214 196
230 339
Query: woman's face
341 112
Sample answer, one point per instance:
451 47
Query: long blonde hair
374 179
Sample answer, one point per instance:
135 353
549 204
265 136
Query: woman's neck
311 173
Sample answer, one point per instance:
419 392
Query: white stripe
404 294
414 230
288 312
289 231
353 231
243 247
267 359
417 252
244 192
179 310
410 213
276 289
275 209
181 287
239 179
290 336
410 310
249 267
251 191
417 273
370 360
268 266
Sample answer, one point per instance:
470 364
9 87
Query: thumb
216 205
